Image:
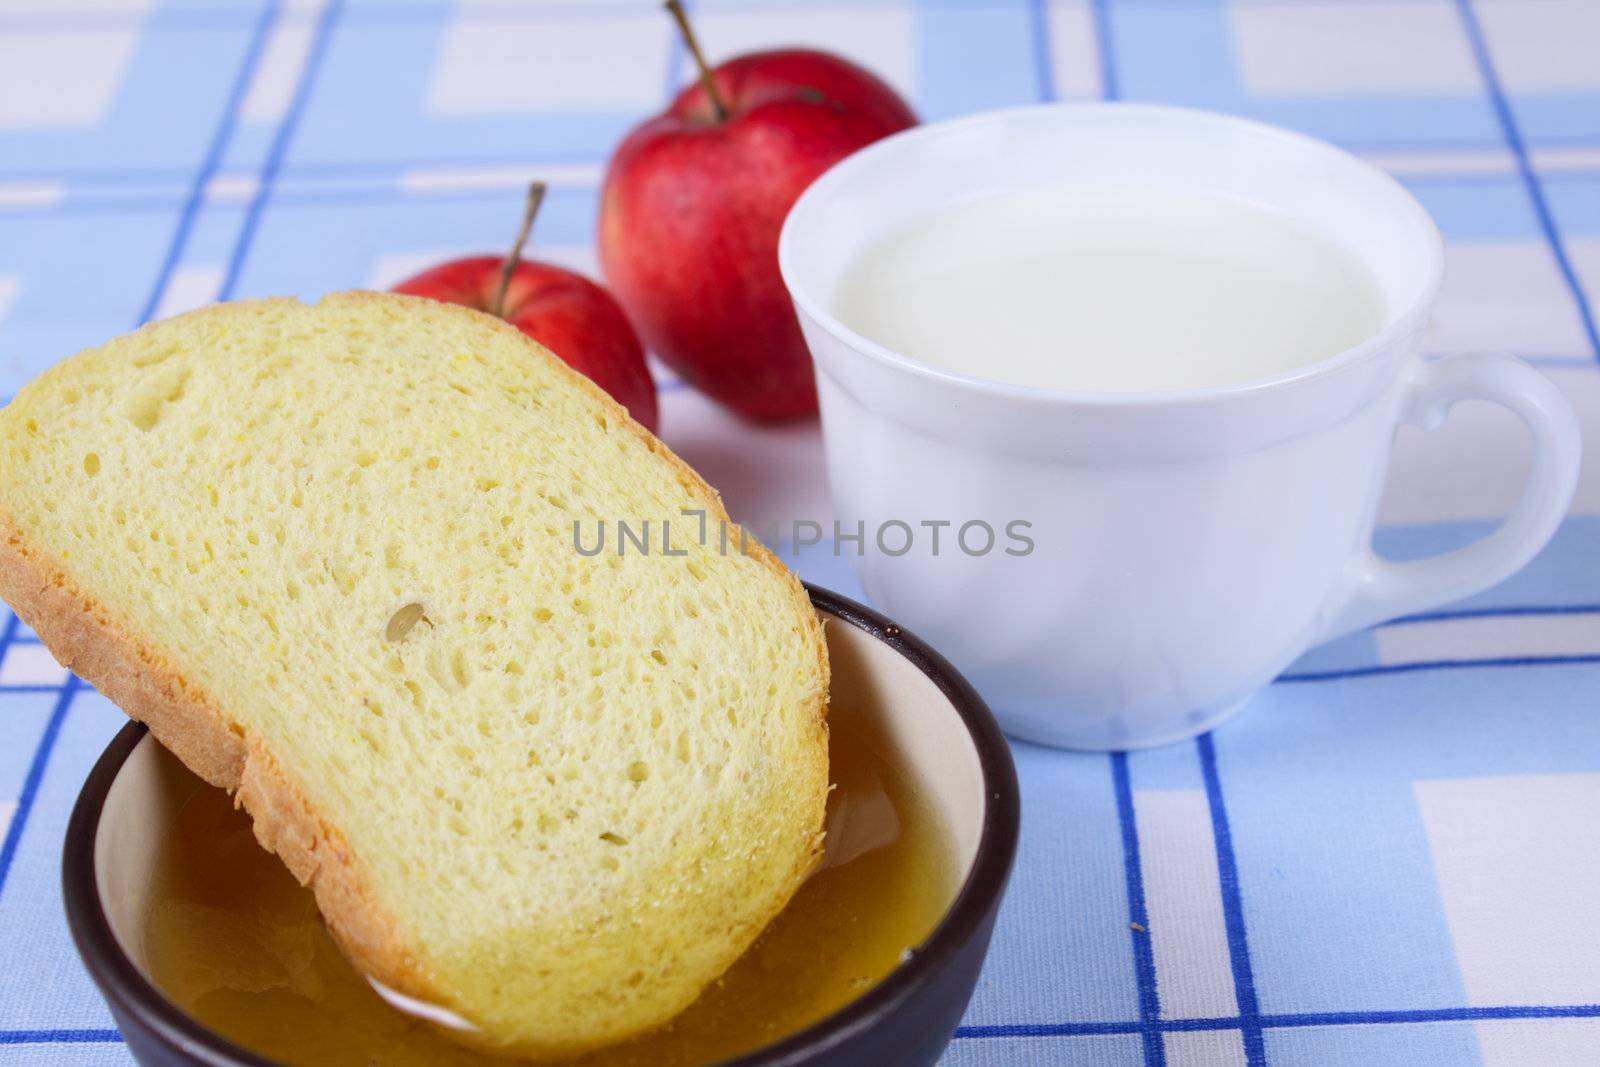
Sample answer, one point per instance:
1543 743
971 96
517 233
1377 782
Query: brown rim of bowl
132 993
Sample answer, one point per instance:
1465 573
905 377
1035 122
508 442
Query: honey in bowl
236 943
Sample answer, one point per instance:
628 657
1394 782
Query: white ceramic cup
1188 544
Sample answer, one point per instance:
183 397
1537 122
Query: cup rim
842 171
128 990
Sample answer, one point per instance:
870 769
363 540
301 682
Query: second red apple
562 310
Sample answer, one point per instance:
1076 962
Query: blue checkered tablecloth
1392 858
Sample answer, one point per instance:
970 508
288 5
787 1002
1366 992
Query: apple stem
707 82
513 257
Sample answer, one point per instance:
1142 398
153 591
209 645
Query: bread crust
109 654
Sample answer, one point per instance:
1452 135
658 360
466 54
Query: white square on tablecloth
32 194
8 808
881 39
1517 859
30 664
61 78
1538 1042
1489 637
232 188
1331 48
278 73
1505 296
1183 897
1074 54
1545 46
496 66
1205 1048
490 176
113 8
391 268
192 286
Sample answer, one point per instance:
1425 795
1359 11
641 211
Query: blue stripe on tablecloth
280 145
1435 665
1530 178
1292 678
337 168
313 168
1144 961
71 686
1510 611
145 201
30 785
1244 986
1110 84
1288 1021
58 1037
1044 67
136 191
265 21
94 177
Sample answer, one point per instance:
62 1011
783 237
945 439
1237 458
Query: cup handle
1375 589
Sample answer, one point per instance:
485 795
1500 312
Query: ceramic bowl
942 737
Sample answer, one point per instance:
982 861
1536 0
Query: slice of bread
327 553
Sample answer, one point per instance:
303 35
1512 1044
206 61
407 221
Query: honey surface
239 945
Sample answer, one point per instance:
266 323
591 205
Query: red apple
562 310
693 202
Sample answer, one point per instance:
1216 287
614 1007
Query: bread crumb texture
568 791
